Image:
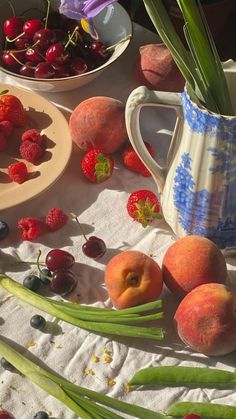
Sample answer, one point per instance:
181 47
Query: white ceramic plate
44 116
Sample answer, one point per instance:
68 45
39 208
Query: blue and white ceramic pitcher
198 184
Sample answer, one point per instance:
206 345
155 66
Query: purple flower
82 9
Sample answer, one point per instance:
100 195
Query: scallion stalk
86 403
122 324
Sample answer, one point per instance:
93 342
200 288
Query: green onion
104 321
80 400
184 376
205 410
200 65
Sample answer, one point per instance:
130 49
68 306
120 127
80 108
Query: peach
133 278
99 122
192 261
206 319
156 69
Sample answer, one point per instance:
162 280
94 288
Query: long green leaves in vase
200 65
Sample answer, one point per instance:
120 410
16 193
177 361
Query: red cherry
94 247
78 66
34 55
31 26
13 27
44 37
58 259
12 57
62 282
22 43
27 69
44 71
61 36
192 416
6 415
56 54
98 49
62 71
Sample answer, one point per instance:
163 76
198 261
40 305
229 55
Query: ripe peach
156 69
206 319
99 122
133 278
192 261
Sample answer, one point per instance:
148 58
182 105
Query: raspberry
30 151
31 228
3 142
34 136
6 127
55 219
18 172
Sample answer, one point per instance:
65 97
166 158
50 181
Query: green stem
45 304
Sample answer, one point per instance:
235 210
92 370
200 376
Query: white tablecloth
102 211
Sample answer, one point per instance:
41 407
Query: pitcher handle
139 98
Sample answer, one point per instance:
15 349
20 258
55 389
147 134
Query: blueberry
38 322
6 365
32 282
44 276
4 230
41 415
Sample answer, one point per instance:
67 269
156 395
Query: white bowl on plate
113 25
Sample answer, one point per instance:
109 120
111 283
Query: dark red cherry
94 247
35 55
22 43
31 26
98 49
6 415
78 66
44 37
13 58
61 71
61 36
56 54
13 27
27 69
44 71
58 259
63 281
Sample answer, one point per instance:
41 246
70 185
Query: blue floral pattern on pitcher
209 214
201 121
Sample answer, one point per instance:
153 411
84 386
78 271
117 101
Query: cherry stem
119 42
70 37
47 13
14 39
16 59
12 8
75 218
38 265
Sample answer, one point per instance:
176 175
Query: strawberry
11 109
143 206
97 165
132 161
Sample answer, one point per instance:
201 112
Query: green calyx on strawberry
143 206
97 165
102 167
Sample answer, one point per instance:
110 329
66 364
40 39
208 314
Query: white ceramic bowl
113 24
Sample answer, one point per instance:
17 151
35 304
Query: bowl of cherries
44 50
